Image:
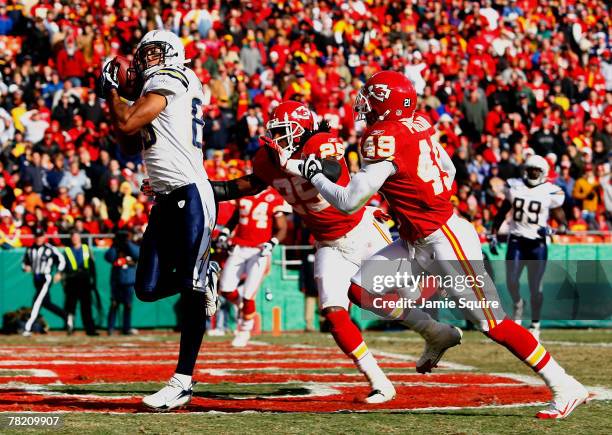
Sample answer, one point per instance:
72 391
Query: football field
298 383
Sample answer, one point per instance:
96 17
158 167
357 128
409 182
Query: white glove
222 239
311 167
108 78
268 247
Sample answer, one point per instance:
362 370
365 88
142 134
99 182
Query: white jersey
173 141
530 206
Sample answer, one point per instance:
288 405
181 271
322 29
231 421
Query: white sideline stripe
544 342
412 358
11 363
402 357
32 373
577 344
169 354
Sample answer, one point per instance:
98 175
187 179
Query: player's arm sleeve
500 217
360 189
234 189
557 197
233 220
59 258
280 224
26 259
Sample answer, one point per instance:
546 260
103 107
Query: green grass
586 360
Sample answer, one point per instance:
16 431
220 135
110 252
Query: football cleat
381 393
435 347
517 313
567 396
215 332
172 396
26 333
211 296
241 339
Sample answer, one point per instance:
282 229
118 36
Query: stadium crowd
500 79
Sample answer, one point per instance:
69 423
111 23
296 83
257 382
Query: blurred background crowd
500 79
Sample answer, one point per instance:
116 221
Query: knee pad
356 293
248 308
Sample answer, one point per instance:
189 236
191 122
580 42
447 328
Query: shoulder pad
325 145
170 72
515 182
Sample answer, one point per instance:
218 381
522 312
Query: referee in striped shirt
40 259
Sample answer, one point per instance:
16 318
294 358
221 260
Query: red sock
232 296
521 343
347 335
248 308
377 304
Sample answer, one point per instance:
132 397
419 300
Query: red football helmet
287 124
387 95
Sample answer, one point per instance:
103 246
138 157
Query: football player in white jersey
167 121
531 200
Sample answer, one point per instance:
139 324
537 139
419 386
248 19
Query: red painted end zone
24 372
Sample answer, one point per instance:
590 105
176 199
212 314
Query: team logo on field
301 113
379 91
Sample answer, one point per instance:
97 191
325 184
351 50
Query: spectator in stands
75 180
585 192
79 282
71 62
123 255
552 76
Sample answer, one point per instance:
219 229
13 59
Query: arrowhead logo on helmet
301 113
380 91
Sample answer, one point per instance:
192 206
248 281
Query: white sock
246 325
552 372
185 380
369 367
535 325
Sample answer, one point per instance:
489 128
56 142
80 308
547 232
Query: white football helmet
158 49
536 170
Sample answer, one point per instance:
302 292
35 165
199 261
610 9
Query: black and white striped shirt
42 258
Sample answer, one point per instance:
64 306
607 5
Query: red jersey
255 221
324 221
419 192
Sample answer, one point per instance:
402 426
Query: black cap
39 232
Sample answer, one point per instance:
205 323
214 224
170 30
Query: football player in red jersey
402 160
342 240
253 240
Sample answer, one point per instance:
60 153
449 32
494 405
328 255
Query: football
129 83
